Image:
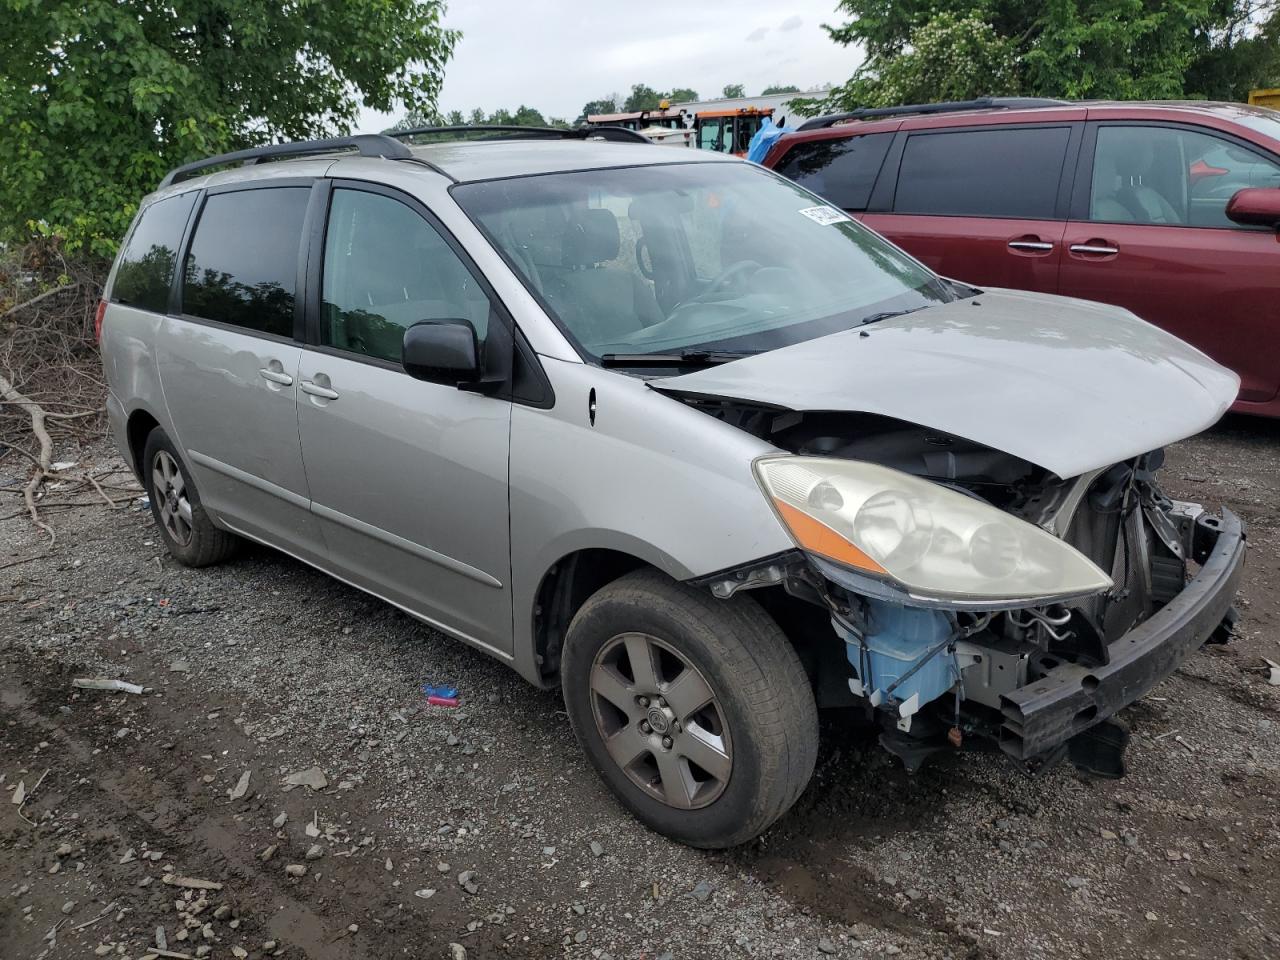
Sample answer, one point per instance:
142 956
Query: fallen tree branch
44 460
17 563
38 297
26 453
97 486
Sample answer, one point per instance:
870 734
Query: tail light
97 320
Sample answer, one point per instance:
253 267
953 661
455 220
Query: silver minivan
665 429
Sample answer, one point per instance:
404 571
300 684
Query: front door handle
276 376
313 388
1098 249
1037 246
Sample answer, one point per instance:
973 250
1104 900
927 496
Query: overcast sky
555 55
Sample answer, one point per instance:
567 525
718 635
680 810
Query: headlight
934 542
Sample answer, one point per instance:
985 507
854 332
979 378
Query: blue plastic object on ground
446 691
764 138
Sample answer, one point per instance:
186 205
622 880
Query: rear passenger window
242 268
842 171
983 173
146 264
385 269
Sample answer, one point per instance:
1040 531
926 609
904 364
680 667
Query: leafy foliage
928 50
642 97
522 116
778 88
594 108
733 91
951 58
99 98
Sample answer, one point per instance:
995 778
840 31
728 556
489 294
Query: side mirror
442 351
1255 207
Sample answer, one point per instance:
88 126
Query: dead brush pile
52 392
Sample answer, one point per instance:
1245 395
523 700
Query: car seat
1122 184
600 304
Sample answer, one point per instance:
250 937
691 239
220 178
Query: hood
1065 384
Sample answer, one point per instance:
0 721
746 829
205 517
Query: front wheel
695 711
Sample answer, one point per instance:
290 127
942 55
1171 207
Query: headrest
591 238
1105 173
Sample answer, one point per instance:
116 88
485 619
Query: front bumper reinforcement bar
1071 698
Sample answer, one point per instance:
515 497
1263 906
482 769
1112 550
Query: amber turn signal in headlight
934 542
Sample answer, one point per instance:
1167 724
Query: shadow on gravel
1239 426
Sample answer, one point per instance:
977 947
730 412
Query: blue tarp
765 138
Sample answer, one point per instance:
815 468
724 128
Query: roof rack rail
951 106
368 145
584 132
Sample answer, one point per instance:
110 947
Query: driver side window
385 269
1171 177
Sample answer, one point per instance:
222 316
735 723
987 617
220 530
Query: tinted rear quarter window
842 171
243 264
147 261
983 173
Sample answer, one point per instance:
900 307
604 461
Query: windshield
1266 122
676 258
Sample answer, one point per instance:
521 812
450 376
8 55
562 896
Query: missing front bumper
1071 698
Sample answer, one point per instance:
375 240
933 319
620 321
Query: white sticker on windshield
824 215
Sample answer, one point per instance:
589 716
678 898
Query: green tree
778 88
683 95
643 97
1064 48
522 116
528 117
733 91
596 107
948 58
98 98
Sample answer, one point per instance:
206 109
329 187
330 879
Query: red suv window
842 171
1011 172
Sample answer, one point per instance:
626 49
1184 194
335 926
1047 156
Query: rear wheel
184 525
695 711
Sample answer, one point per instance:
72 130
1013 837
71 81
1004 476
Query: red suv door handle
1030 244
1095 248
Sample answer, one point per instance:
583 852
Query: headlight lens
933 541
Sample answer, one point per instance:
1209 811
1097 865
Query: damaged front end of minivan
977 599
972 495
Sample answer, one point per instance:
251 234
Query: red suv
1168 209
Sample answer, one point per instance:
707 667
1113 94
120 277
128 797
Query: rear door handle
1097 249
1034 245
313 388
276 376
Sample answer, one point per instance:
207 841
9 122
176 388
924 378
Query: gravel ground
168 819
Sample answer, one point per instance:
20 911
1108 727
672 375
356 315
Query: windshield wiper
686 358
886 315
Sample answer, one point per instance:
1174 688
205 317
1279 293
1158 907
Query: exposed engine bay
936 677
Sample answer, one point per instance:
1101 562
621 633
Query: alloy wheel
170 493
660 721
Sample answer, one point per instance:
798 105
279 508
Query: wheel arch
137 428
562 591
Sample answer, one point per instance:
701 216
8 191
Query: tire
761 719
189 534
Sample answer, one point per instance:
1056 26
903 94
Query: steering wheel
642 252
730 276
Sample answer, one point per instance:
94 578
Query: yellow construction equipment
1266 98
